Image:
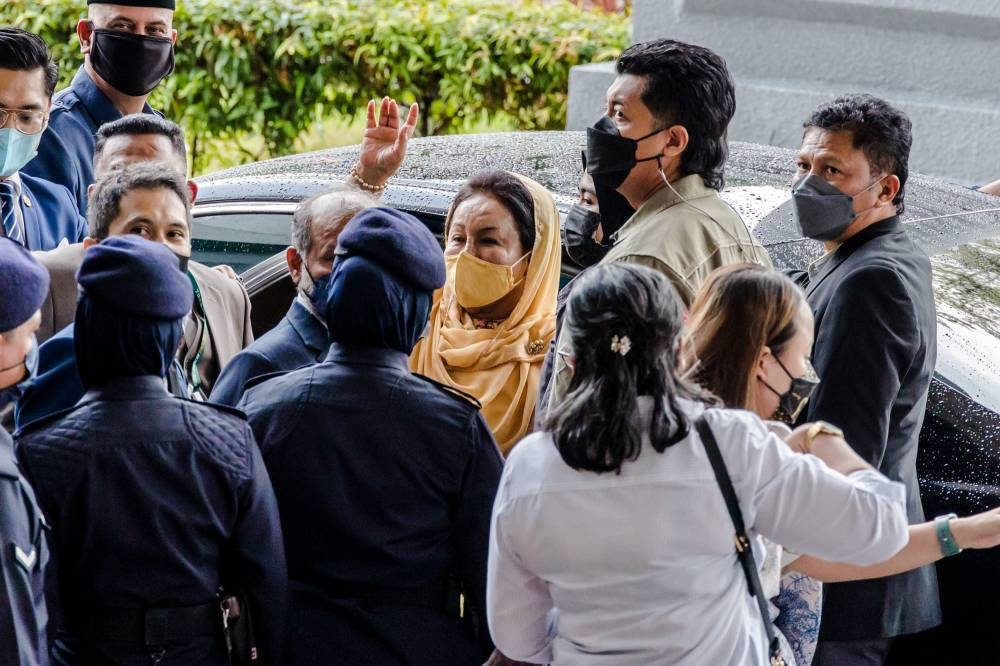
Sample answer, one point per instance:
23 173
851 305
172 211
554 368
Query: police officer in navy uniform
385 480
23 618
155 502
300 338
128 48
34 212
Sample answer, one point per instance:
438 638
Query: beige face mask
479 283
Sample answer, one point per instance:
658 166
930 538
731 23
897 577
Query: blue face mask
30 363
16 150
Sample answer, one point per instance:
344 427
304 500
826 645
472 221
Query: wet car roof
757 184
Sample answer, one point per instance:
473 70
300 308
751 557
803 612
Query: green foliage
273 68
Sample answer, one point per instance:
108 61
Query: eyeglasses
26 122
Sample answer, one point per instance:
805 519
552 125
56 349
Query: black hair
881 131
687 85
105 201
21 50
141 123
511 193
597 426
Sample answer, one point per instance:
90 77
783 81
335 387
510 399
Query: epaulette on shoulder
217 407
43 421
260 379
451 390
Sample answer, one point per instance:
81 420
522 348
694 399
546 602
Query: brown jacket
685 233
227 309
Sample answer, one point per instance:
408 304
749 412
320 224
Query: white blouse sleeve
807 507
519 609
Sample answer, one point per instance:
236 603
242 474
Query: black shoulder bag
744 553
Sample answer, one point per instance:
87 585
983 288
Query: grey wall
937 60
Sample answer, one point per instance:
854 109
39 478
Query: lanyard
194 377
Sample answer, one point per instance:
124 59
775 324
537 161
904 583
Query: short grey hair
105 201
334 208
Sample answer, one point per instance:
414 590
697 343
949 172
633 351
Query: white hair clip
621 345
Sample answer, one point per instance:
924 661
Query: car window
239 238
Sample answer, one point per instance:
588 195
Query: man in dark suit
875 345
300 338
36 213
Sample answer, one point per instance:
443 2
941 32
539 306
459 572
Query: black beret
162 4
24 284
397 241
136 277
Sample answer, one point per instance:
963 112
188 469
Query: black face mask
182 261
793 401
610 156
578 237
131 64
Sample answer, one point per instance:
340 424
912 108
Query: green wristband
946 540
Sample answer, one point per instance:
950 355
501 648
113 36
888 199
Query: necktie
8 201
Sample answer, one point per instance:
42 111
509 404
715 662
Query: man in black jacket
875 344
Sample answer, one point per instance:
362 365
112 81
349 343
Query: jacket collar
309 328
688 188
376 356
847 248
145 387
98 105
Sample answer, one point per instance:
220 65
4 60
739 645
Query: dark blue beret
24 283
136 277
397 241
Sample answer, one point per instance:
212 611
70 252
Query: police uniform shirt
66 152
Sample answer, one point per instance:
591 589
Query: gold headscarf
501 367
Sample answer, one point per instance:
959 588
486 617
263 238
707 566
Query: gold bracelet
816 429
367 187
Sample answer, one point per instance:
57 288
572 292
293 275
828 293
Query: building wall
935 59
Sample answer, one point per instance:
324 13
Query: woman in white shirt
748 341
611 542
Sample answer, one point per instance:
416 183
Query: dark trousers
852 653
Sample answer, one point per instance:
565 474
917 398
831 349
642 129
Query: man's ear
193 189
90 190
890 188
89 242
85 31
294 261
677 140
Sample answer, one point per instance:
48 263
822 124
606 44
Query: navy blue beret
397 241
24 283
136 277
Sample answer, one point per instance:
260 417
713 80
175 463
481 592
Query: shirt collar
688 188
97 103
15 180
359 355
128 388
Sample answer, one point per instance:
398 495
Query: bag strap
744 553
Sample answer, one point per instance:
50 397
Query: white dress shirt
640 567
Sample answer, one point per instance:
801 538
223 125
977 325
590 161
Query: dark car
243 217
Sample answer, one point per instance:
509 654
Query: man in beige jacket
662 145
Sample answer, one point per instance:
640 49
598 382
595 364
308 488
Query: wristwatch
946 540
819 428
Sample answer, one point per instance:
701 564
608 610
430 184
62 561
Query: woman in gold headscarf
491 324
